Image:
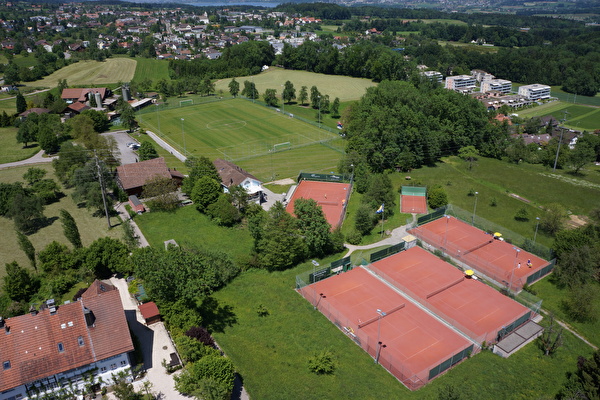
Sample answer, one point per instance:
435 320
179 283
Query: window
6 365
61 348
113 366
102 369
80 340
123 362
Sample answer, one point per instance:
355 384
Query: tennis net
385 313
445 287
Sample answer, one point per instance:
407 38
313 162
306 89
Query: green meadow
578 116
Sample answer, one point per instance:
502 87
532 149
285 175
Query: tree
34 175
303 95
160 193
234 87
250 90
280 246
313 226
21 103
469 154
123 389
70 229
213 367
289 92
11 74
582 155
19 285
380 191
147 151
581 302
437 197
335 108
552 220
27 133
364 220
448 392
100 120
198 167
48 140
27 247
206 87
551 338
26 212
128 117
56 258
522 214
322 362
206 191
202 335
270 97
315 97
239 196
107 256
223 212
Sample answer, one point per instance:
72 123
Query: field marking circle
226 124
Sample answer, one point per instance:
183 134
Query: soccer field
232 129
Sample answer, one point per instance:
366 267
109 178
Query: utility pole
102 189
562 129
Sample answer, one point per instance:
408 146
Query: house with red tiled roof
73 95
57 346
132 177
232 174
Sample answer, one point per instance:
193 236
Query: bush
493 202
322 363
262 311
201 334
522 214
354 237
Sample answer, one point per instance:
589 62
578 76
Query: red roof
135 175
80 93
32 344
149 310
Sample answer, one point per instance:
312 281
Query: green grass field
578 116
235 129
10 150
111 71
346 88
90 228
149 68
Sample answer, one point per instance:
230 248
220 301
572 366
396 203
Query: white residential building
433 75
461 83
499 85
535 91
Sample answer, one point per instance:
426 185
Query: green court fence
439 213
450 362
309 176
511 327
541 273
530 301
345 263
414 190
378 255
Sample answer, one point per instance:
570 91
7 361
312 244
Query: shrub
522 214
322 363
493 202
354 237
201 334
262 311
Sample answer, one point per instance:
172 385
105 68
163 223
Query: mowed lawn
233 129
344 87
112 70
578 116
90 228
11 151
150 68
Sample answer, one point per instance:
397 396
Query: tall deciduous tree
380 192
147 151
26 212
34 175
270 97
206 191
128 117
234 87
70 228
313 226
289 92
21 103
27 133
315 97
582 155
198 167
27 247
303 95
335 108
469 154
553 219
19 285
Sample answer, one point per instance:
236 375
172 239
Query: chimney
89 316
33 310
1 322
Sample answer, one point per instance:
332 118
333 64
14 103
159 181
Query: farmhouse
132 177
231 174
57 346
82 95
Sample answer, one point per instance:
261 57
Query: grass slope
578 116
10 150
90 228
234 128
344 87
91 73
149 68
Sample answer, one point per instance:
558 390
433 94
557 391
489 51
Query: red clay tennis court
415 347
474 308
414 204
498 260
331 196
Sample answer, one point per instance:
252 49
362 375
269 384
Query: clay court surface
413 204
415 341
331 196
468 304
494 258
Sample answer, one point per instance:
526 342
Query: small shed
136 204
150 312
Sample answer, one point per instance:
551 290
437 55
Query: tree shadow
216 317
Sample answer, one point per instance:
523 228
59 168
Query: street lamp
352 173
319 112
446 235
283 98
381 315
183 136
514 267
321 296
315 265
537 223
474 209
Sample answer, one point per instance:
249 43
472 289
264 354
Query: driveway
156 346
36 159
126 155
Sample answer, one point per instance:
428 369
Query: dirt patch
286 181
575 221
516 196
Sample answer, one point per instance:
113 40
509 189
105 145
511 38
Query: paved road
36 159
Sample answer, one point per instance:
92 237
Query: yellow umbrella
469 272
497 234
